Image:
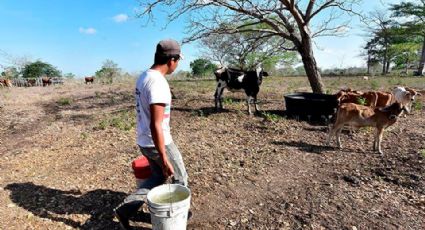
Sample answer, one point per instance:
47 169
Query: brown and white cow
89 80
361 116
405 96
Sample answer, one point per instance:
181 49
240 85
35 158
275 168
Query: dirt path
66 165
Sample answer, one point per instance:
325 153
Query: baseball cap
168 47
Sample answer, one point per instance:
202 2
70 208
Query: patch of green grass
374 84
270 117
64 101
417 105
102 124
228 101
422 152
84 135
97 94
361 101
124 120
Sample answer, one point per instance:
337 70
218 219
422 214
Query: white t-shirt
152 88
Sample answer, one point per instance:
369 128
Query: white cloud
120 18
87 30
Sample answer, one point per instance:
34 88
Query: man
153 101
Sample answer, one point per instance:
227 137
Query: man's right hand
167 169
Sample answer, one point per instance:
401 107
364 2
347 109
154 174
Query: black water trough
311 106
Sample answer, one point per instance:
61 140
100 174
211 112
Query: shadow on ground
201 112
102 100
56 204
303 146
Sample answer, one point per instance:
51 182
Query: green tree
10 73
69 76
108 73
414 15
405 54
383 29
39 69
202 67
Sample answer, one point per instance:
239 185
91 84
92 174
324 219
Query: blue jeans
134 201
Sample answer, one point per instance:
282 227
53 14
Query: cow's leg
375 140
380 133
338 136
248 102
256 104
330 134
218 96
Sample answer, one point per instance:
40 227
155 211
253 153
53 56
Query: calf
405 96
360 116
89 80
234 79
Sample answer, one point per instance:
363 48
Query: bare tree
289 19
243 50
7 61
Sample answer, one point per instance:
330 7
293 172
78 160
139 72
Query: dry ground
65 155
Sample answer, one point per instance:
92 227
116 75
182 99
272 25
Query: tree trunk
387 69
384 63
368 64
310 66
422 61
407 65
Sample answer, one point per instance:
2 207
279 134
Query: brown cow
46 81
360 116
89 80
384 99
6 82
31 82
357 97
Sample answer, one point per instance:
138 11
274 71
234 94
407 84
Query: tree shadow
56 204
303 146
78 105
323 129
201 112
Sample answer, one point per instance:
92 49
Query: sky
77 36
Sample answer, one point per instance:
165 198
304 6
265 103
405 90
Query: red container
141 168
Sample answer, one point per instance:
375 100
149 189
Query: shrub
64 101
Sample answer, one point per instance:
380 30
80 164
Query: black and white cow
234 79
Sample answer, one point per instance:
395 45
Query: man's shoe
124 222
